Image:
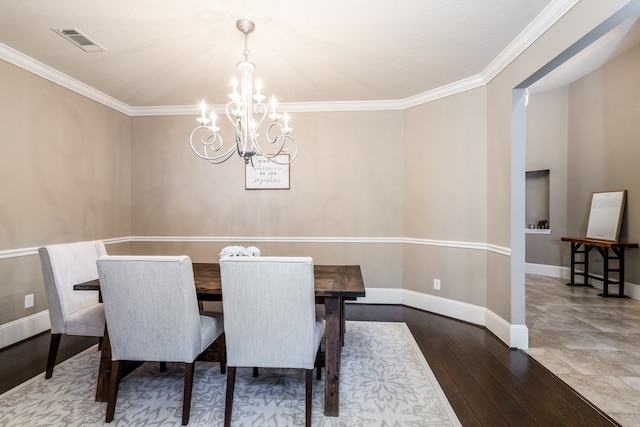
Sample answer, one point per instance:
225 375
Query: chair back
151 307
269 306
63 266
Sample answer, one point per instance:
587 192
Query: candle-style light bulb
213 126
259 97
234 96
273 116
203 119
286 129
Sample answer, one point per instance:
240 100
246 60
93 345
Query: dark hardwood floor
28 358
486 383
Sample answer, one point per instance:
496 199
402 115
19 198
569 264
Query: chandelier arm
280 142
269 140
260 108
221 158
292 156
233 111
207 143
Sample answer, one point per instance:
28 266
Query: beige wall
439 172
547 133
604 147
345 183
445 196
64 176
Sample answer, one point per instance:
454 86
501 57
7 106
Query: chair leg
114 384
309 393
53 353
223 357
228 405
255 371
188 388
163 366
318 364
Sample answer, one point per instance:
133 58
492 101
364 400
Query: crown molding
289 107
444 91
549 16
38 68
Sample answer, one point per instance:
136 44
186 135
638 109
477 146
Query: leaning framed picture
605 215
267 175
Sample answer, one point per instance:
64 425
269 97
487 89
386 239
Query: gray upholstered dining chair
270 318
152 314
71 312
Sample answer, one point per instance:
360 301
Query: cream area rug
385 381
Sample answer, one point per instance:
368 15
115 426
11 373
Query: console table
609 251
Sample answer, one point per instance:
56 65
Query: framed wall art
267 175
605 215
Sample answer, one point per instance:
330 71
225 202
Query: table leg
587 248
575 249
343 326
333 347
605 277
620 253
572 276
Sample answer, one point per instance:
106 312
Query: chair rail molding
20 252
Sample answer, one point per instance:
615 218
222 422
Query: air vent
79 39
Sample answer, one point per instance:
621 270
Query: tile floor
590 342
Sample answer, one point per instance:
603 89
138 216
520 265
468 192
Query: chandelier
246 112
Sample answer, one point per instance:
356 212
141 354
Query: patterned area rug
385 381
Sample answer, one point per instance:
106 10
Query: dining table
334 284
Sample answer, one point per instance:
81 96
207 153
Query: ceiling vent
76 37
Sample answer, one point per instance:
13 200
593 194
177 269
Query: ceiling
161 53
168 52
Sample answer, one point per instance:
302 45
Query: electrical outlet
28 301
436 284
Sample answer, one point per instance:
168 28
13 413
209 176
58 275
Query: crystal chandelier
246 112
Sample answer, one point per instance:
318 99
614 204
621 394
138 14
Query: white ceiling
175 53
168 52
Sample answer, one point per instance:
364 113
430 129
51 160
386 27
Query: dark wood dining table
333 285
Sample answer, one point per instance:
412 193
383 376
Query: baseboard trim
547 270
23 328
512 335
631 290
515 336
